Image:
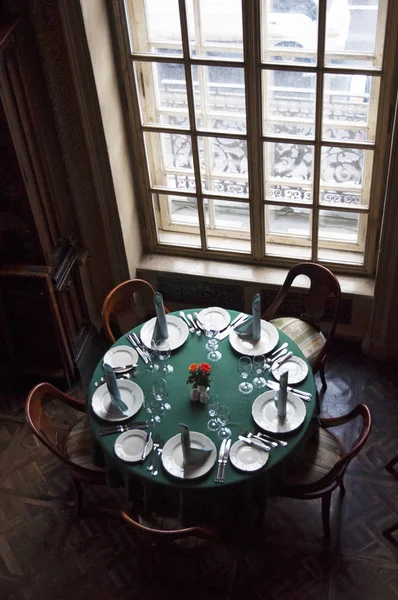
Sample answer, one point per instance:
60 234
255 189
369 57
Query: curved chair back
161 537
51 434
127 305
362 411
323 284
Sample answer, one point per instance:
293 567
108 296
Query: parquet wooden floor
46 554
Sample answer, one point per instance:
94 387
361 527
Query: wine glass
152 366
152 412
160 393
212 405
258 368
163 353
212 344
245 367
223 418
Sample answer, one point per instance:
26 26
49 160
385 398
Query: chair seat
321 454
79 446
308 339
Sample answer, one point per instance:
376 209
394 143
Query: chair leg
392 462
387 532
322 374
341 484
325 513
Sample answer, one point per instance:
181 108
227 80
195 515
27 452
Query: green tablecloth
224 382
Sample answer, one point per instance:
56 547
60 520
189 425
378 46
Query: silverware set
223 460
139 347
122 428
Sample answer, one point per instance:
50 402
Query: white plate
265 413
215 318
130 445
296 367
131 394
120 356
172 456
246 345
178 332
247 458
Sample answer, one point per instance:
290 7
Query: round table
224 382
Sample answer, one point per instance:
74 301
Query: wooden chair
72 445
321 469
163 543
306 330
127 305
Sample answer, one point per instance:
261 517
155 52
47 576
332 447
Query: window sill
351 285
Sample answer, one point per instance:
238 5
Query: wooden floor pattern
46 554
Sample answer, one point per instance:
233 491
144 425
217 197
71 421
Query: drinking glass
163 354
244 369
152 366
258 368
160 393
223 418
212 344
152 412
212 405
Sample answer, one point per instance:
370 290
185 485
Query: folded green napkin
252 327
160 331
113 389
191 456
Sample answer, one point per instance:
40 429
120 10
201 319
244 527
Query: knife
220 458
279 355
238 321
225 460
304 395
278 363
147 440
255 443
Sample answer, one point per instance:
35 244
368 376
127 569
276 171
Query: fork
155 471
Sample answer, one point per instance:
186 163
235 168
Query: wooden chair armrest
45 389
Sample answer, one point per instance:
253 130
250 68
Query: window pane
348 103
289 31
345 174
288 172
341 236
227 225
177 220
223 163
289 103
220 98
351 32
154 24
169 157
162 93
288 231
215 28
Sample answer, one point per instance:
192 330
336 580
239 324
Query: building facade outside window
261 128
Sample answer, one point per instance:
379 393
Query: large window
260 128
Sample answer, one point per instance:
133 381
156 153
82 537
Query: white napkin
252 327
282 394
191 456
160 331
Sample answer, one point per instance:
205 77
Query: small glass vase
200 394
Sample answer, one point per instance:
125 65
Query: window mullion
318 127
192 121
252 54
